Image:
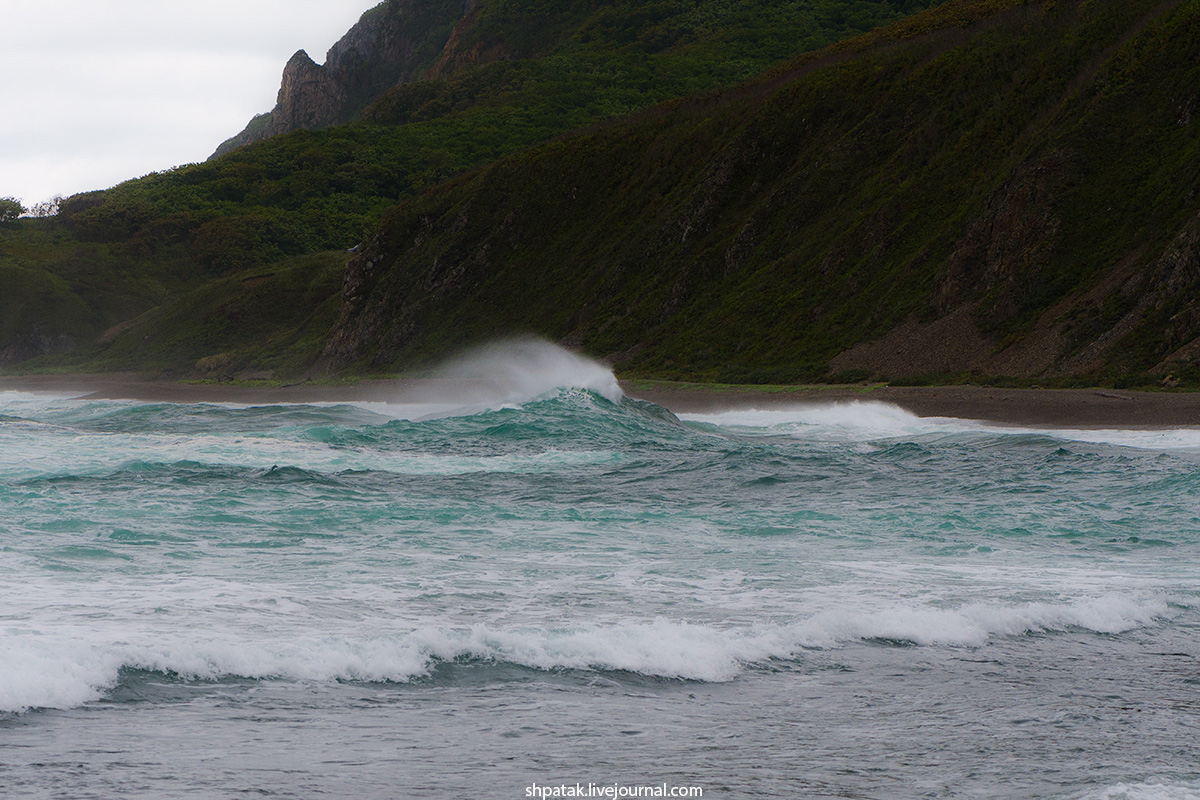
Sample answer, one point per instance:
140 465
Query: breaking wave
870 420
55 671
1146 791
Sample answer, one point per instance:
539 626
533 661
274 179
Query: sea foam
860 420
1146 791
58 671
844 420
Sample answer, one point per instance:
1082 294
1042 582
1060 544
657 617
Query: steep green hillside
553 71
990 188
994 187
59 293
257 321
512 73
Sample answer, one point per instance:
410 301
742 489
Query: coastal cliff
393 43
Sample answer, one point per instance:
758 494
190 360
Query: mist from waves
500 374
522 369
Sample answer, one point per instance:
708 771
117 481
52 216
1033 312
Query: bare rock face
310 97
391 44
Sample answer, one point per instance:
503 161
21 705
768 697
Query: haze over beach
721 398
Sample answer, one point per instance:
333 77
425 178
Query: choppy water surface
389 601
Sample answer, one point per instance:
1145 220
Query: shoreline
1057 408
1075 408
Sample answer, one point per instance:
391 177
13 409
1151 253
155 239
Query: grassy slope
1001 154
258 320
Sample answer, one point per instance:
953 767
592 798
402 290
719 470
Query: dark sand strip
1076 408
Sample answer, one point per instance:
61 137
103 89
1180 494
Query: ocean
559 588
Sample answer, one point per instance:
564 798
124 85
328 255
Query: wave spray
523 369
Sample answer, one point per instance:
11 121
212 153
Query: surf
68 665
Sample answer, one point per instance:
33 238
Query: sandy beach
1090 408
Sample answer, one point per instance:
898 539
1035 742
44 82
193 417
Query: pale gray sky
93 92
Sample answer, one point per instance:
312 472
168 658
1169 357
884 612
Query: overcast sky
93 92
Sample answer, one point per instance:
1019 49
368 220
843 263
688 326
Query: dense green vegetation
10 209
562 66
1021 173
246 322
313 190
1028 161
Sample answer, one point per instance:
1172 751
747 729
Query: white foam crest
861 420
856 419
974 624
61 672
41 672
516 371
1146 791
660 648
67 669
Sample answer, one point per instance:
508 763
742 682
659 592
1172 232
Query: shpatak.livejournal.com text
609 790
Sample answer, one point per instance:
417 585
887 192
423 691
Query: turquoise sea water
566 585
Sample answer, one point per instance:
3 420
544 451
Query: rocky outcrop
310 97
393 43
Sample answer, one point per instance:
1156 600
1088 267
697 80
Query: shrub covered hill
235 263
992 187
986 188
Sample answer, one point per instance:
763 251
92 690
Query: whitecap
859 420
75 665
1146 791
